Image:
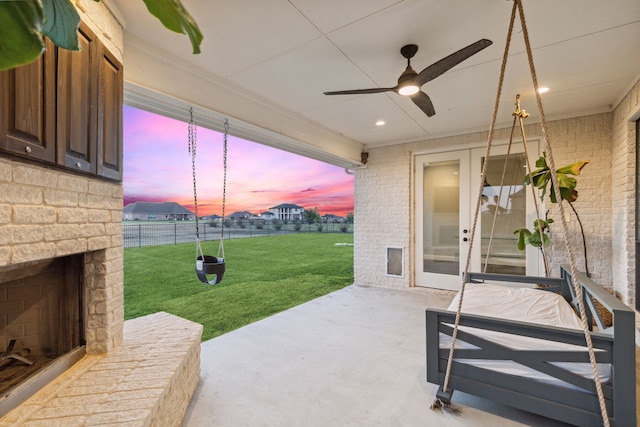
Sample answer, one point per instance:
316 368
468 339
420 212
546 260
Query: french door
447 186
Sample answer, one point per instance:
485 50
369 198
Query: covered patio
353 357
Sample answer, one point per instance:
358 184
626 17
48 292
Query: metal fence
138 234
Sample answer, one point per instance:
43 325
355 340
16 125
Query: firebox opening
41 317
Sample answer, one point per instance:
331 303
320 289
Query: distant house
267 215
240 215
332 218
287 211
154 211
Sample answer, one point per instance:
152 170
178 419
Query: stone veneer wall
623 166
384 202
46 213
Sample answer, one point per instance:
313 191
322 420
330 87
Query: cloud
158 167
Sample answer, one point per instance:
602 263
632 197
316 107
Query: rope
565 229
495 212
574 271
523 115
503 67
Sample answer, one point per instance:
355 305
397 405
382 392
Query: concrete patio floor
355 357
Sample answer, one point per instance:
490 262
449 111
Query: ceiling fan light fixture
408 89
407 82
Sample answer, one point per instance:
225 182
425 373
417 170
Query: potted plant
541 179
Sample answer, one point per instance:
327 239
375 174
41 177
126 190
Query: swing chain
192 150
224 187
224 168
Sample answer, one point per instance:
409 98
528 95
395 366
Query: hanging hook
520 112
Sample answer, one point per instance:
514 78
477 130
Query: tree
349 218
311 216
24 22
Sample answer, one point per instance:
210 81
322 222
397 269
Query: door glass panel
441 216
510 203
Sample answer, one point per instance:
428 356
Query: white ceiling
286 53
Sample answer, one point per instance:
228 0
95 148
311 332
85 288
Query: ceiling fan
410 82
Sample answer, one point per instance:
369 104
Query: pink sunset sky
157 168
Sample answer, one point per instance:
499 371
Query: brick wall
47 213
384 203
382 215
623 190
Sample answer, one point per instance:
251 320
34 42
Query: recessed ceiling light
543 89
380 123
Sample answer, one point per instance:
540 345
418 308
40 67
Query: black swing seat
208 265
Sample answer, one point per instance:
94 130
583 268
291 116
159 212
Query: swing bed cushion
524 347
206 266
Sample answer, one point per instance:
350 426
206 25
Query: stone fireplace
61 262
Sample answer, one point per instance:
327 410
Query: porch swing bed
540 367
562 347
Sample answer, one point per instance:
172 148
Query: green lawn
264 276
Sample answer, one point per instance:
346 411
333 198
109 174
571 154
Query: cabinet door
27 108
110 100
76 104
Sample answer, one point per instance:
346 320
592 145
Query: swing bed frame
578 405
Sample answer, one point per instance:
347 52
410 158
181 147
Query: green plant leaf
573 168
542 162
61 23
534 239
523 234
20 39
175 17
541 178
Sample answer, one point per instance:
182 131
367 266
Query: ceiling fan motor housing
408 51
407 76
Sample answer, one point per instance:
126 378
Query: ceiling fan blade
361 91
423 102
445 64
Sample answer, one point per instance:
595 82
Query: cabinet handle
78 165
27 149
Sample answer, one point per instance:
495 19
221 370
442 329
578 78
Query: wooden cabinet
28 108
76 104
110 101
66 108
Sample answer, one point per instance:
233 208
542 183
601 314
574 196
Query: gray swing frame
616 345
